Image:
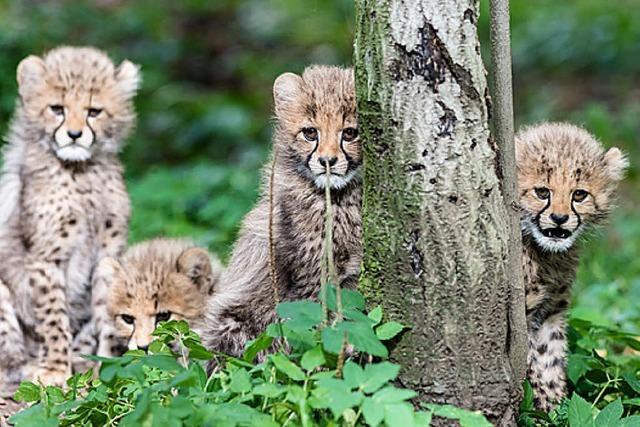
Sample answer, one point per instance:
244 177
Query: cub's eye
349 134
579 195
310 134
94 112
542 193
58 110
163 316
128 319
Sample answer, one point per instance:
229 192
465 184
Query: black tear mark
470 16
415 254
447 121
415 167
432 61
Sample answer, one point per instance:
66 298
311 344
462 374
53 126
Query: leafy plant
300 386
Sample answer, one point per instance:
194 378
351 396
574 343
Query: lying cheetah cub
157 280
316 127
566 184
63 202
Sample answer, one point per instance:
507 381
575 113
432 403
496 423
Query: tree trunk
436 228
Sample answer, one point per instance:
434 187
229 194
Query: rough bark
436 228
502 104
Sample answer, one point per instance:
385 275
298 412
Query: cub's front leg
52 325
547 361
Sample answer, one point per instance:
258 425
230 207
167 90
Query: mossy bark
436 229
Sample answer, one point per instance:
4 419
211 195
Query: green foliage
302 386
603 370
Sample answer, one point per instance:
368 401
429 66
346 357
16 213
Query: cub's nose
559 219
326 160
74 134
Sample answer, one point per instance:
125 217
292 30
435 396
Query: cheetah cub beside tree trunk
316 127
566 184
63 203
154 281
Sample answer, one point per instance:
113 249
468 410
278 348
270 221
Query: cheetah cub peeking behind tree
566 184
63 203
154 281
316 127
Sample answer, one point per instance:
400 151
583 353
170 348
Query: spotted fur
63 203
160 279
566 182
312 113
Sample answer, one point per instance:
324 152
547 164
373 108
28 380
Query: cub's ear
108 270
616 163
286 89
196 265
128 77
30 75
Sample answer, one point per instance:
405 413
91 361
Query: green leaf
363 338
399 415
392 394
300 314
527 400
388 330
580 412
465 417
332 339
240 381
336 395
313 358
372 411
353 375
287 367
376 315
269 390
163 362
610 415
262 342
27 392
632 421
351 299
379 374
633 382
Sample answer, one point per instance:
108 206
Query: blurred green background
204 110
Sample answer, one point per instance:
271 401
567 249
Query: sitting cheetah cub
316 126
157 280
63 203
566 184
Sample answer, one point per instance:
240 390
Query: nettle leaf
633 382
580 414
632 421
388 330
300 314
287 367
332 339
163 362
465 417
577 366
376 315
372 411
269 390
298 339
610 415
362 337
351 299
28 392
33 416
336 395
313 358
379 374
240 381
399 415
253 347
353 375
392 394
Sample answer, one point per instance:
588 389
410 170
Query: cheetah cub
566 184
154 281
63 203
316 126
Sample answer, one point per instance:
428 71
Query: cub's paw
50 376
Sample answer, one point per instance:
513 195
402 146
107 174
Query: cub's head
155 281
566 182
317 124
78 102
